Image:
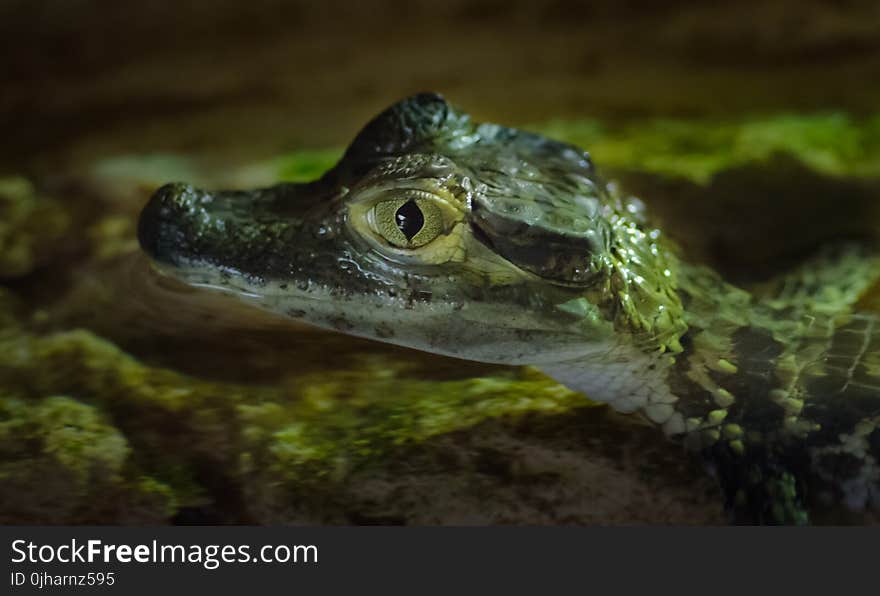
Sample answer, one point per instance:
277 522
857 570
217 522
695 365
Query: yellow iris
407 222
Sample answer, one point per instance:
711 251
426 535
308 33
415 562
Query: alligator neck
783 399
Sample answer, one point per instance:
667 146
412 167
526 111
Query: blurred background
86 78
124 399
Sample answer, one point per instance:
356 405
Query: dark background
86 78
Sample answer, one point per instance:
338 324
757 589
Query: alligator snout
165 227
183 226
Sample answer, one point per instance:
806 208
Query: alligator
493 244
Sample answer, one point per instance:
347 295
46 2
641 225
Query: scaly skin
492 244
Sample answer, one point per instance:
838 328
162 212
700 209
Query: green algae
62 461
303 166
311 433
361 414
29 227
112 236
834 144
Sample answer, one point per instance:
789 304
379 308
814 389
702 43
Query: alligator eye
407 222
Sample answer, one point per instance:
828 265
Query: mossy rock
30 225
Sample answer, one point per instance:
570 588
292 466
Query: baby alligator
492 244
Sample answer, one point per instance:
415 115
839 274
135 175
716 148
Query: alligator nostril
173 195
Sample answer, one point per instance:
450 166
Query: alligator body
493 244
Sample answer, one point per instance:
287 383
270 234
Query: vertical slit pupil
409 219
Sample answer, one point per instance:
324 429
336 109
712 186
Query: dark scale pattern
695 400
756 353
843 388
